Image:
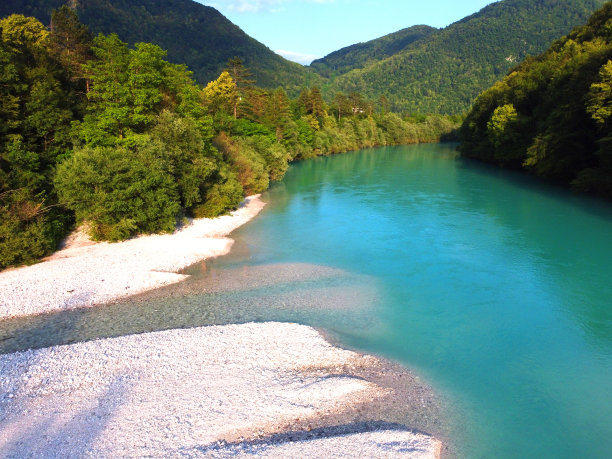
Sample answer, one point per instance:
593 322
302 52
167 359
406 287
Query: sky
303 30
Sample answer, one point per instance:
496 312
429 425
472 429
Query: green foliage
29 229
501 124
189 159
192 33
362 54
446 70
599 98
36 107
273 153
419 69
121 140
249 165
221 94
551 114
119 192
224 193
126 90
70 43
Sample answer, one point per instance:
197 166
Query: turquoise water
495 287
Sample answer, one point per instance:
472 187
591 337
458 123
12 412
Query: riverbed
493 286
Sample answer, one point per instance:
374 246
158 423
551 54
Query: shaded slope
552 116
362 54
193 34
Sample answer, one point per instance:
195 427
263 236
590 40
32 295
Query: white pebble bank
87 273
222 391
189 393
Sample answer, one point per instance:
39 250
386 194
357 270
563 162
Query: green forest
96 132
361 55
192 34
419 69
445 71
552 114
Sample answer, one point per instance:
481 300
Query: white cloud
300 58
254 6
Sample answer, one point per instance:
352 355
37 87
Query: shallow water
494 286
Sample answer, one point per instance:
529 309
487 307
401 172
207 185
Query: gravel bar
219 391
86 273
251 390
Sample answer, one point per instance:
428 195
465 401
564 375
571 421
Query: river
495 287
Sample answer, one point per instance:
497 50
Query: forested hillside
361 54
95 132
192 33
445 72
552 115
416 70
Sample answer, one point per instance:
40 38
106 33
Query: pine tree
70 43
242 78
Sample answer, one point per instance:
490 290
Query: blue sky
302 30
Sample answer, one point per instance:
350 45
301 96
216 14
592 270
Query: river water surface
496 288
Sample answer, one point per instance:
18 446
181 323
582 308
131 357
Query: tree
127 90
222 93
316 106
500 126
190 160
384 104
278 111
242 78
119 192
599 98
342 105
108 116
36 108
70 43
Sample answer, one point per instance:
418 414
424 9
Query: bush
224 194
119 192
249 165
28 230
273 153
191 161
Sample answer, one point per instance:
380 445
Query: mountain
193 34
445 72
362 54
419 69
552 116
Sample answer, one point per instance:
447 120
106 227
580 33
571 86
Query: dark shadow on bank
261 446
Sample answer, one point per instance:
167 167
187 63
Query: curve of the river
497 288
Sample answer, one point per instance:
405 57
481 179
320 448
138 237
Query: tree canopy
552 114
95 131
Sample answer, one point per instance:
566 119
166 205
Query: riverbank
265 390
86 273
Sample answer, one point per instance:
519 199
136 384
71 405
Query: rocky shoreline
253 389
86 273
264 390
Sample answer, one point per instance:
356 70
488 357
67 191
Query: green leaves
118 191
551 115
599 98
501 126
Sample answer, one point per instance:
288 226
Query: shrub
28 229
119 192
